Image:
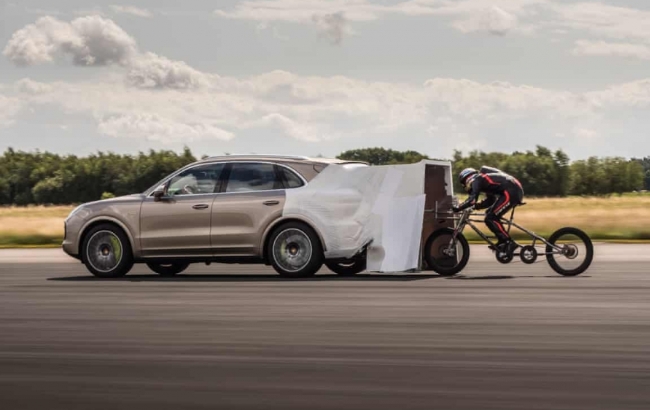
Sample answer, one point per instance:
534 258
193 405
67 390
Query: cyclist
503 193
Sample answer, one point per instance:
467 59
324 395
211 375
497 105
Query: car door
179 223
252 197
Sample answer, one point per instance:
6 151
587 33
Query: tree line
44 178
542 172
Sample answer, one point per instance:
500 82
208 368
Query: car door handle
271 203
201 206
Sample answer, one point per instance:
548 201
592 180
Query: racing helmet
466 177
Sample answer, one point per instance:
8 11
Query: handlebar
448 213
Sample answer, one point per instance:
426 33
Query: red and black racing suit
503 192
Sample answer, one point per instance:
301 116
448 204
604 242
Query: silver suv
221 209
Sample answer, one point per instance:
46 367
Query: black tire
106 251
168 269
349 267
550 257
308 249
445 266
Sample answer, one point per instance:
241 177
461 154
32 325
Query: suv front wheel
107 252
295 251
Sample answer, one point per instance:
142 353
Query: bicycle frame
466 218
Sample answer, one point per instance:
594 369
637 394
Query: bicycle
446 261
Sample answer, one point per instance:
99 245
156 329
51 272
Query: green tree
645 164
382 156
45 178
562 174
635 177
541 172
605 176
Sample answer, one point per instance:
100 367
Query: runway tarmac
241 337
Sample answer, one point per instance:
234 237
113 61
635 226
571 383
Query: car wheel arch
273 225
99 221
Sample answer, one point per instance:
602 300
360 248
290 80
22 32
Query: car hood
131 197
97 206
111 201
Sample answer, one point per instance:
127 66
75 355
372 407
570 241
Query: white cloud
154 127
496 16
88 40
494 20
37 43
291 127
9 107
169 101
153 71
314 109
132 10
323 109
424 7
331 17
628 95
603 20
97 41
499 17
501 99
32 87
602 48
301 11
333 26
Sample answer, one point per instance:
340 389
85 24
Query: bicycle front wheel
444 255
575 253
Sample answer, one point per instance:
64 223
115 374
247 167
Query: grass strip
32 240
624 219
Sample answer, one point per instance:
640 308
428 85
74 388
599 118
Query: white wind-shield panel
353 206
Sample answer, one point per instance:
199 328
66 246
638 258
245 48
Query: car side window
247 177
291 179
202 179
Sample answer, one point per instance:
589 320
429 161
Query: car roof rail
293 157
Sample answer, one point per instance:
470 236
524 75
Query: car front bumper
70 243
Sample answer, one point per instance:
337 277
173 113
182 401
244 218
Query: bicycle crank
505 257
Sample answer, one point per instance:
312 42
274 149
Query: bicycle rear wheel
443 259
575 254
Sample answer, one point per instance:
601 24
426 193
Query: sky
317 77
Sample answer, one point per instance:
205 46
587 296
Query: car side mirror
159 193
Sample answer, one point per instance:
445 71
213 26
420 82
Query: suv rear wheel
295 251
107 252
348 267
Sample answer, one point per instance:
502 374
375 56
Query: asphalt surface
238 337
